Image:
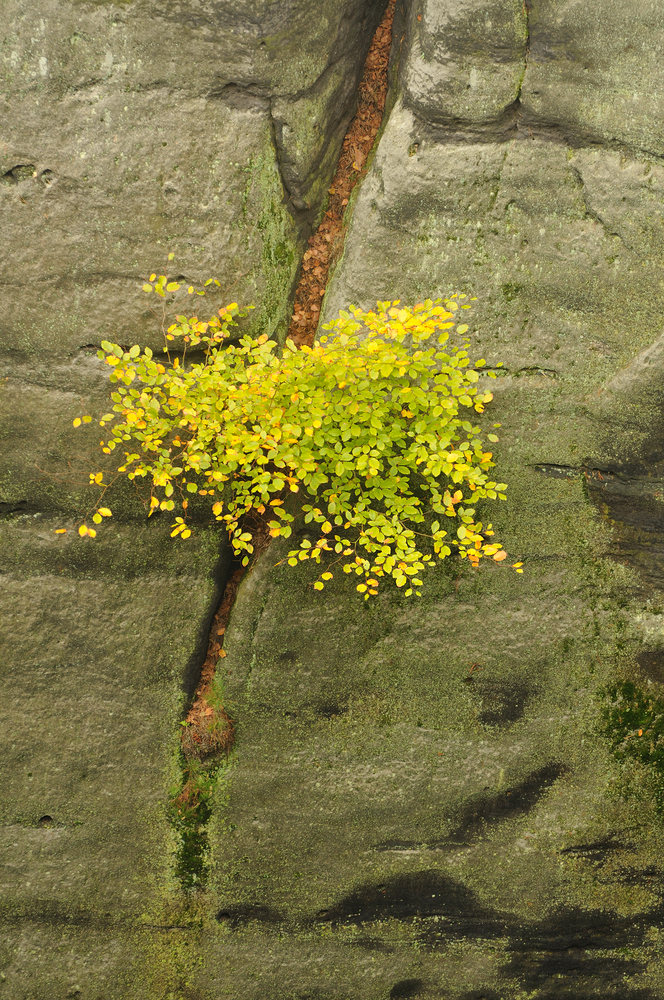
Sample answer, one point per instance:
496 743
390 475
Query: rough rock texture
97 642
423 801
464 60
133 129
597 72
130 130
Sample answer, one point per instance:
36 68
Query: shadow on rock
574 953
424 895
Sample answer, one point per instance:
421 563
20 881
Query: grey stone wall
424 803
423 800
129 130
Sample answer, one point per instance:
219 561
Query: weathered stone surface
421 801
464 60
590 73
153 129
598 70
130 130
425 782
73 958
563 270
99 642
140 179
415 785
99 638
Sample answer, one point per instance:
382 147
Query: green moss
511 290
265 216
189 812
633 721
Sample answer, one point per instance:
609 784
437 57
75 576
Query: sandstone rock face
130 130
597 73
425 802
590 73
465 60
97 644
425 798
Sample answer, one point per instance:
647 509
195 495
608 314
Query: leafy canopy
374 426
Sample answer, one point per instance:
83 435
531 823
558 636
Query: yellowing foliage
373 428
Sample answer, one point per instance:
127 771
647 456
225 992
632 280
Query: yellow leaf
97 518
92 533
318 585
76 421
60 531
105 511
499 556
83 530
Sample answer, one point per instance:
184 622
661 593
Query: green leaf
365 425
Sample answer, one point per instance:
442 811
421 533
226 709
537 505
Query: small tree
373 426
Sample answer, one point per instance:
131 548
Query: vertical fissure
527 7
207 731
325 244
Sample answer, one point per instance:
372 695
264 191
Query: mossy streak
634 724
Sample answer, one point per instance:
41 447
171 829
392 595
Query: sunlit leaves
372 429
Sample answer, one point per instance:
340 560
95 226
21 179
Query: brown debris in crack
326 243
208 730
